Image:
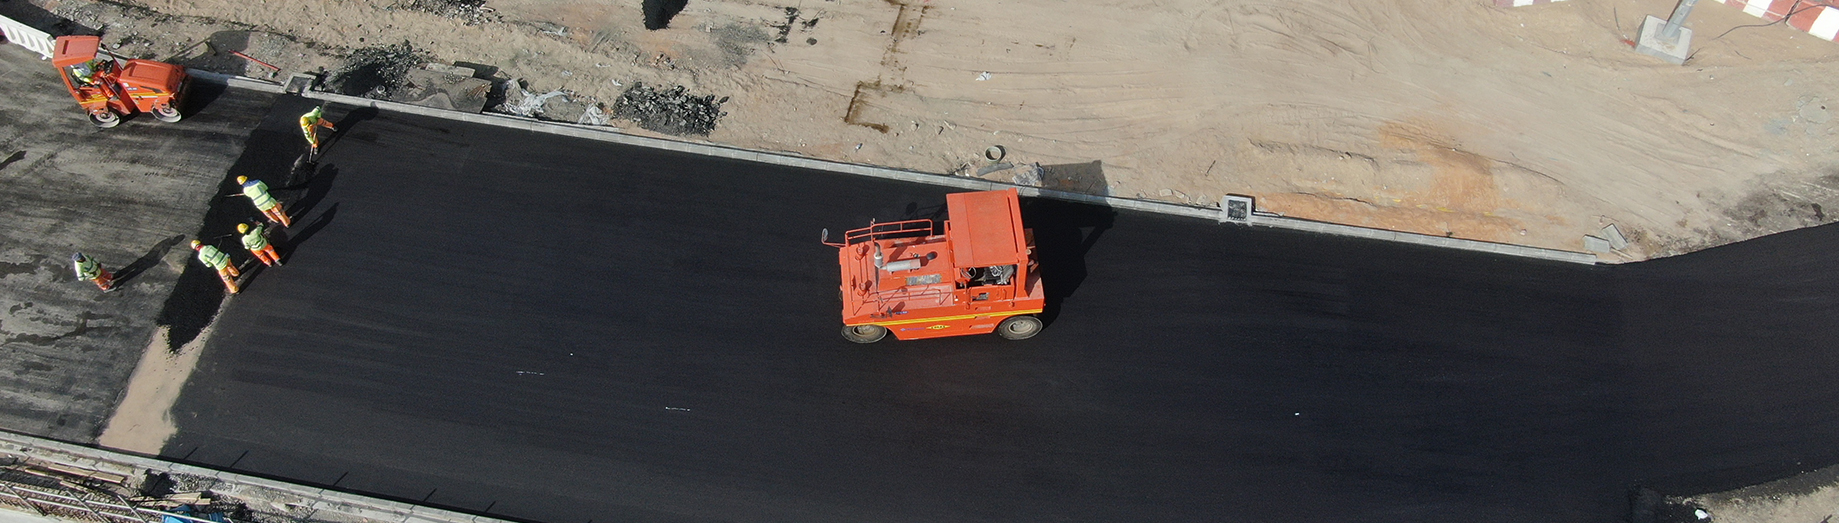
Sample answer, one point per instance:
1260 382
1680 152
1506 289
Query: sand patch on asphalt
1809 497
143 421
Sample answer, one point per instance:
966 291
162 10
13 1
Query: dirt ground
1812 497
1533 125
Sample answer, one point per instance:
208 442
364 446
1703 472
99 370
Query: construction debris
1030 175
473 12
670 111
556 106
442 87
378 72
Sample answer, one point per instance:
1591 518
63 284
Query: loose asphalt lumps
131 197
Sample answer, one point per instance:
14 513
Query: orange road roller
109 89
974 273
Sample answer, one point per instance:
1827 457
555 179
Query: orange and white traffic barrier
1817 17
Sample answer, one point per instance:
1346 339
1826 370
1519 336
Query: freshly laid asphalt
560 330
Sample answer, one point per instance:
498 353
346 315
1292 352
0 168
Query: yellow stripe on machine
951 318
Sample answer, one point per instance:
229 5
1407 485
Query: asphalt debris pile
378 71
473 12
672 111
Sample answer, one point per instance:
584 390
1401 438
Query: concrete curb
606 134
247 488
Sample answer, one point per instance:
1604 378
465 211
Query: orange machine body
117 87
924 280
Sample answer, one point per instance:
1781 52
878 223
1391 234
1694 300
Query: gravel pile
672 111
378 71
473 12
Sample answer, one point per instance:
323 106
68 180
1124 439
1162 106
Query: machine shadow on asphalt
199 95
1063 233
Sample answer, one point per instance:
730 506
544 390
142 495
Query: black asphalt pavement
559 330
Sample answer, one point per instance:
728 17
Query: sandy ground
143 421
1811 497
1532 125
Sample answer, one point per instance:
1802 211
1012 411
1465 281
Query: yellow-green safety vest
216 259
253 239
88 269
310 119
258 192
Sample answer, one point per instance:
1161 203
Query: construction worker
270 207
88 269
85 72
216 259
309 124
258 244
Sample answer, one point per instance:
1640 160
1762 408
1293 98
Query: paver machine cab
973 274
109 89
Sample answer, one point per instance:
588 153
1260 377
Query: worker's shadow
289 243
147 261
16 156
351 120
315 188
286 243
1063 233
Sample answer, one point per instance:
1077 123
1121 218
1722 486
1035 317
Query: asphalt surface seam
974 184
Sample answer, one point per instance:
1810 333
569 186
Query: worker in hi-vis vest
258 244
310 124
88 269
270 207
216 259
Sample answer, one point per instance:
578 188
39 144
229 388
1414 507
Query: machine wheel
865 333
167 113
1019 327
105 119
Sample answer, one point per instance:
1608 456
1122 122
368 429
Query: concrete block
300 82
1236 209
1614 235
1653 43
562 109
1595 244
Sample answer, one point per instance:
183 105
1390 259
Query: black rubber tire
167 113
1019 327
865 333
105 120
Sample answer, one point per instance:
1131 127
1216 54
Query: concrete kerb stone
612 135
248 488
